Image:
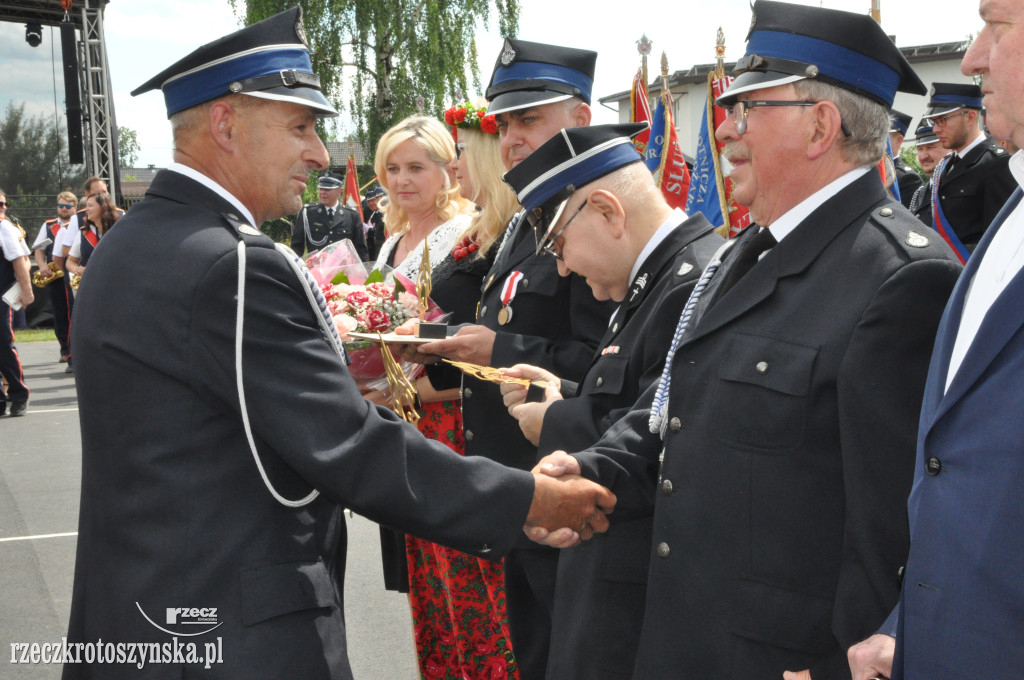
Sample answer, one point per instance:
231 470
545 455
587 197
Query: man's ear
827 127
582 115
611 210
223 125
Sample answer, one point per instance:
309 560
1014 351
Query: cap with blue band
532 74
949 97
900 122
268 59
570 160
788 43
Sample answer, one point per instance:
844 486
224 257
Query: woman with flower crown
457 600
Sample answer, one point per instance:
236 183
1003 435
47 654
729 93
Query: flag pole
876 11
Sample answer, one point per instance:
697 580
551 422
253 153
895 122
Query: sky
145 36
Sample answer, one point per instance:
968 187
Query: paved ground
40 469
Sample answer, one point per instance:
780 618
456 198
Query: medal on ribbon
508 291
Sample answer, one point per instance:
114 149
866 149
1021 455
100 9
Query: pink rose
344 324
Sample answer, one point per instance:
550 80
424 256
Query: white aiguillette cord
329 331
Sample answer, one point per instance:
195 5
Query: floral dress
458 600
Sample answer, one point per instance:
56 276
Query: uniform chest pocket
540 277
607 375
761 393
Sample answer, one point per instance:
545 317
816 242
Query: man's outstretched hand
566 507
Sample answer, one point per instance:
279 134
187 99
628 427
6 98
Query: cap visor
754 80
942 110
303 96
523 99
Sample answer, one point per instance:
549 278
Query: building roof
699 72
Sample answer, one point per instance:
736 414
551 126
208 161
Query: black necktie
745 258
330 213
953 158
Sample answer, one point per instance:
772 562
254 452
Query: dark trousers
61 314
530 598
10 364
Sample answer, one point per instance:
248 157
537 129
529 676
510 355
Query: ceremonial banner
887 171
710 191
640 109
352 198
664 158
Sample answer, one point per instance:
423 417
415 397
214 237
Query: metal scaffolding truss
99 129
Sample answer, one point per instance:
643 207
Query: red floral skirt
458 600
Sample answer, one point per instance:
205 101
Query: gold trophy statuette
39 279
74 281
534 389
427 329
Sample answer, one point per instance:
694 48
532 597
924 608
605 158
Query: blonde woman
457 600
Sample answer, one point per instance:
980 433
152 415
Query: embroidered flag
640 110
664 157
352 198
710 191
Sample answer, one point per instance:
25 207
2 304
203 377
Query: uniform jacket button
483 311
666 487
675 425
467 392
469 435
761 367
933 465
599 382
526 283
663 549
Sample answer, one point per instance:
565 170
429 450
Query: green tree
127 147
393 52
34 168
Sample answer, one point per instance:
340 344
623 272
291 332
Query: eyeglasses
738 111
459 148
941 121
549 247
66 206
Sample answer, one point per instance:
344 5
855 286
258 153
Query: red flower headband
468 116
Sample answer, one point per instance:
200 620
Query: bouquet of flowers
366 299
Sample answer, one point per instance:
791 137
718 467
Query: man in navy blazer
961 612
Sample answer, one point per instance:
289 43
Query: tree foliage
392 53
34 168
127 147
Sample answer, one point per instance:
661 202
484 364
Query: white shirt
674 220
67 236
12 243
44 234
1000 263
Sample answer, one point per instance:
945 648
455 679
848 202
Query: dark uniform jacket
780 508
960 609
975 189
908 180
600 587
313 229
921 203
555 324
174 513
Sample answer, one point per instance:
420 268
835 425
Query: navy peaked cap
570 160
787 43
269 59
531 74
950 97
900 121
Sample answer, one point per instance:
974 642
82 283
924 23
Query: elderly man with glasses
974 180
776 450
